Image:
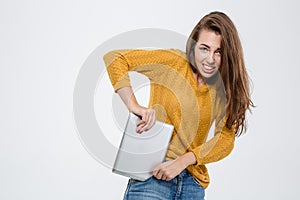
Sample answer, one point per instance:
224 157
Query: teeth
209 67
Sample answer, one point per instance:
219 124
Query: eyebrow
205 45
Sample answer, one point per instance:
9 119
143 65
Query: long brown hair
232 70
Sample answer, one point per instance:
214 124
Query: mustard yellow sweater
178 100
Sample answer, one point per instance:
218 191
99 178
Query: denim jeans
182 187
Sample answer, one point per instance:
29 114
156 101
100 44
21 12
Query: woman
191 90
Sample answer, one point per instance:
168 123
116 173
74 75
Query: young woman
208 83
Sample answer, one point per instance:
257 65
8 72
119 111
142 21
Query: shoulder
171 53
162 52
179 53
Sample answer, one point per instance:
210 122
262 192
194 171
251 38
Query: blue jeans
182 187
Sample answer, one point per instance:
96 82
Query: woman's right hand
147 118
147 115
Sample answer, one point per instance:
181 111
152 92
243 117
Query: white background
42 47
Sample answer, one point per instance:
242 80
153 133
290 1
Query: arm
147 115
217 147
211 151
119 62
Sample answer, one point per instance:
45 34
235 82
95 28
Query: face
208 53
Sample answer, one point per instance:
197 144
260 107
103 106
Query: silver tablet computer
139 154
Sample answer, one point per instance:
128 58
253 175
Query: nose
211 58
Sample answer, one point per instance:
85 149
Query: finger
154 173
139 122
166 178
161 174
140 127
144 128
145 116
158 174
162 165
150 122
157 171
158 167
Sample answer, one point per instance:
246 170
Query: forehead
209 38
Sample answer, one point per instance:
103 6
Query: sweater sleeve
219 146
120 62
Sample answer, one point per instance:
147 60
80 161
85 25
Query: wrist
133 107
136 109
188 159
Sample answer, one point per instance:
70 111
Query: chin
211 78
208 76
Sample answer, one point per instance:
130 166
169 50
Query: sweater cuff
124 82
196 152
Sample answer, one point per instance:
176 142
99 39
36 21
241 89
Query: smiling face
208 53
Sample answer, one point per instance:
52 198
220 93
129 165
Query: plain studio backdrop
43 47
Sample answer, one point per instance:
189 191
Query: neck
200 80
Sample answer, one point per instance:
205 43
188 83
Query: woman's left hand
170 169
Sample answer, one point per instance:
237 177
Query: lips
208 69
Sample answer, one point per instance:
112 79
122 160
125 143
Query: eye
203 49
218 53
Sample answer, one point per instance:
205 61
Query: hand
170 169
147 116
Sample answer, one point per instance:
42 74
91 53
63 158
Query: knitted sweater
178 100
